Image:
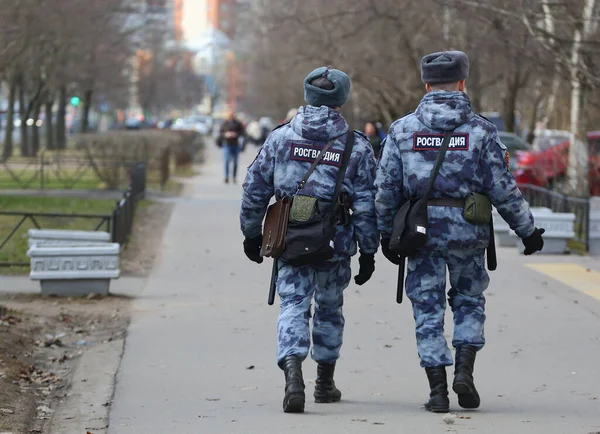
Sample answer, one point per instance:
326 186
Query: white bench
504 235
594 233
55 238
559 230
75 270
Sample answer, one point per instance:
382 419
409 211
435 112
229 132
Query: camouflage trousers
426 289
296 287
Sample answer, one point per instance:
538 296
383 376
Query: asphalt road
200 351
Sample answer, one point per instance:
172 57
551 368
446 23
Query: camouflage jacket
474 162
286 157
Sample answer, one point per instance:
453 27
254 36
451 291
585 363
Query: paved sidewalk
200 351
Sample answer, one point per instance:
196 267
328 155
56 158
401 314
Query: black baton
400 287
273 286
492 259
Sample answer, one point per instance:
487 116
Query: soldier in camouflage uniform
476 161
279 167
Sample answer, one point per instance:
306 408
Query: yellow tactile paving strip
577 277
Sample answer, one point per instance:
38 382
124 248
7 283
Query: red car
547 161
594 153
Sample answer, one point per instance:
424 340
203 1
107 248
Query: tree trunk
552 99
510 104
474 88
23 115
577 171
87 105
49 126
10 121
35 132
61 127
534 115
578 155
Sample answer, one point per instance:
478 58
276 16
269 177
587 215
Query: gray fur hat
444 67
336 97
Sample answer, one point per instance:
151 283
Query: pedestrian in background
372 133
282 163
230 140
476 162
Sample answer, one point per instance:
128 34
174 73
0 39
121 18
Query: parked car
547 162
200 123
593 139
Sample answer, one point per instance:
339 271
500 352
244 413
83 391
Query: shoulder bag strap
438 162
345 160
314 165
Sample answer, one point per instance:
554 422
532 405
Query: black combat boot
293 401
325 390
438 383
463 377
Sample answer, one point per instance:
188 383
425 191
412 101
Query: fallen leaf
464 417
359 420
250 367
94 296
213 399
378 423
6 411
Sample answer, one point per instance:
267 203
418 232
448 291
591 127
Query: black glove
391 256
252 249
534 242
366 270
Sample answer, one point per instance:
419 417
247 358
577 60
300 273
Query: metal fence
124 213
75 170
119 223
557 202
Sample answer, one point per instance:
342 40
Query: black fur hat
444 67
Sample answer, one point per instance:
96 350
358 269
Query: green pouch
304 209
478 209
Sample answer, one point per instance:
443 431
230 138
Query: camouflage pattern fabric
296 287
402 172
426 289
474 162
285 158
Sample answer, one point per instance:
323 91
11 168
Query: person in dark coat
230 137
372 133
